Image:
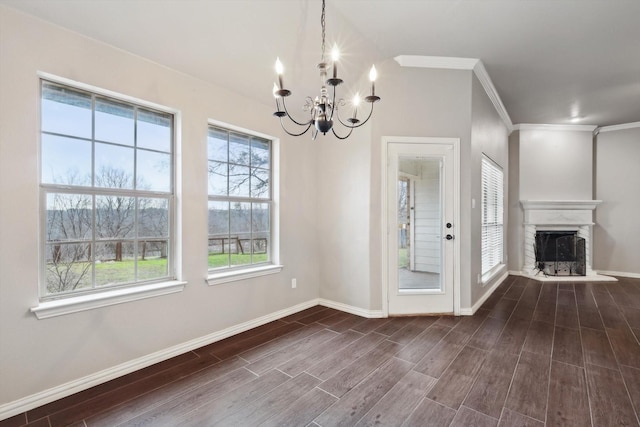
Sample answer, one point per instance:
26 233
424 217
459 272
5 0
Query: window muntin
107 191
240 199
492 214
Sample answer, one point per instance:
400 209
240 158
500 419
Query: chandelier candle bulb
356 102
335 55
279 71
373 75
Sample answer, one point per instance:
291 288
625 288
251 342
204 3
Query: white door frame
386 227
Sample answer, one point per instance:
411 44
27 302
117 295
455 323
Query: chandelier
324 108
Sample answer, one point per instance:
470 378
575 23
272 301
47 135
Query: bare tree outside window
69 230
239 199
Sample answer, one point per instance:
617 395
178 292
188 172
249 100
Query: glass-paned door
420 210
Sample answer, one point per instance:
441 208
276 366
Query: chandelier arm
334 107
333 129
284 105
343 123
365 120
358 124
295 134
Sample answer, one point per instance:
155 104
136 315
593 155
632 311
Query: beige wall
489 136
422 103
617 184
515 229
556 164
344 211
606 170
36 355
547 164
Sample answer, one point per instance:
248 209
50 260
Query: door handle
449 237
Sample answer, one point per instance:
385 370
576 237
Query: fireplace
569 221
560 253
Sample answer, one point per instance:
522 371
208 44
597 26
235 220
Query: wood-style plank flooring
535 354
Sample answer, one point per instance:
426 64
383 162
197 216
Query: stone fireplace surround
558 215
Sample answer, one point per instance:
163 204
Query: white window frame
492 183
273 266
72 302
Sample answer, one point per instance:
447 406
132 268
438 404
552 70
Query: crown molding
492 93
444 62
623 126
565 128
470 64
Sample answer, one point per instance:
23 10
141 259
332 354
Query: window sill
64 306
246 273
493 273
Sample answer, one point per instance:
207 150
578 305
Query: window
107 192
240 200
492 214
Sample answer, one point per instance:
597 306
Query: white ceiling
548 59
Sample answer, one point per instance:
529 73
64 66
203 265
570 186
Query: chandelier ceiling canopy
324 110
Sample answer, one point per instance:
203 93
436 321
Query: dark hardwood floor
535 354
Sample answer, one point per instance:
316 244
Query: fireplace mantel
552 213
560 204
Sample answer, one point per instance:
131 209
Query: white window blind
492 214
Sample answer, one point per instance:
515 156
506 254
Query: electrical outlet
294 283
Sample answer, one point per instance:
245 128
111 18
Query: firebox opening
560 253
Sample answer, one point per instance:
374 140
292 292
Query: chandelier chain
322 24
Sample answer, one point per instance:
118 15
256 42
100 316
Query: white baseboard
19 406
372 314
620 274
471 311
